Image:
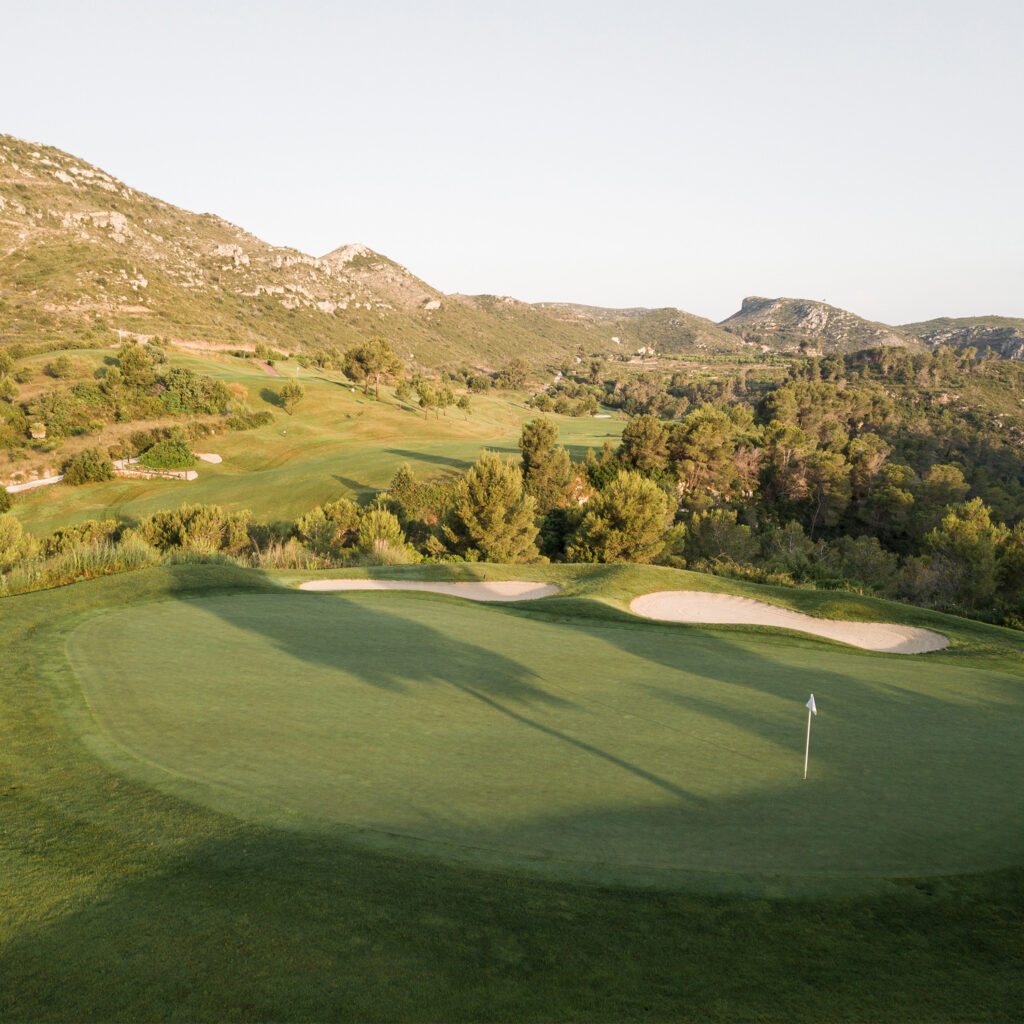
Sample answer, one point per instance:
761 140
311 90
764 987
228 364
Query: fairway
638 753
339 443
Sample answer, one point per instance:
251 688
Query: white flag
811 705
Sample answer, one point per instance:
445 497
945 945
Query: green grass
338 443
130 892
614 746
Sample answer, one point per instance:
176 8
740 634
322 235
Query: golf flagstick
811 710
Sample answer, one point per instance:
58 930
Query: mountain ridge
81 252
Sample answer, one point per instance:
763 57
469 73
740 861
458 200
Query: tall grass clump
287 554
80 563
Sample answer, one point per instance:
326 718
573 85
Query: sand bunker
698 607
496 590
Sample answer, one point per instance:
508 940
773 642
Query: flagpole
807 752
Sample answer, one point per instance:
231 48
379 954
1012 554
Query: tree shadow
159 909
258 924
271 397
430 457
416 654
354 485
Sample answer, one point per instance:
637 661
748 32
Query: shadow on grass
399 653
354 485
258 925
431 458
146 922
271 397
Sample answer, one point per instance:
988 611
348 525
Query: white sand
698 607
209 457
496 590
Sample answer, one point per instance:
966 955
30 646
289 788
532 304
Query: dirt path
31 485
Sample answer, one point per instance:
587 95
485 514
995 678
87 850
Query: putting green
603 749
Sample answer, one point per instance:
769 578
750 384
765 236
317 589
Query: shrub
91 533
328 529
79 563
379 529
289 554
62 368
14 544
88 466
140 440
197 528
290 395
627 521
5 499
248 420
492 517
173 453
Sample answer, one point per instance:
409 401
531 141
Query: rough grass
125 902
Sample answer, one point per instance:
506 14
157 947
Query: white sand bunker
494 590
698 607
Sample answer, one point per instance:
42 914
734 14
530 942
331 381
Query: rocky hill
815 327
1003 335
83 254
671 331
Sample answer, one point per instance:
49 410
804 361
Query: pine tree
626 522
492 519
547 471
373 360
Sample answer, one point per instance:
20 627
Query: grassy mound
618 750
126 897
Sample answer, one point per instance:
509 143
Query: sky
618 154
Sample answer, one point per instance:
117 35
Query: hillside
1004 335
789 324
83 254
669 330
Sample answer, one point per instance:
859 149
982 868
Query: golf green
598 749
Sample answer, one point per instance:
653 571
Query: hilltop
791 324
803 325
1004 335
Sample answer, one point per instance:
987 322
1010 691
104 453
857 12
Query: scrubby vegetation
885 471
89 466
171 453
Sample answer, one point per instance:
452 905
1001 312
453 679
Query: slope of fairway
338 443
499 590
616 751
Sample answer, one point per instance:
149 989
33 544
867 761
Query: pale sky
620 154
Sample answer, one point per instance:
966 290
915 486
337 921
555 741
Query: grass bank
125 900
